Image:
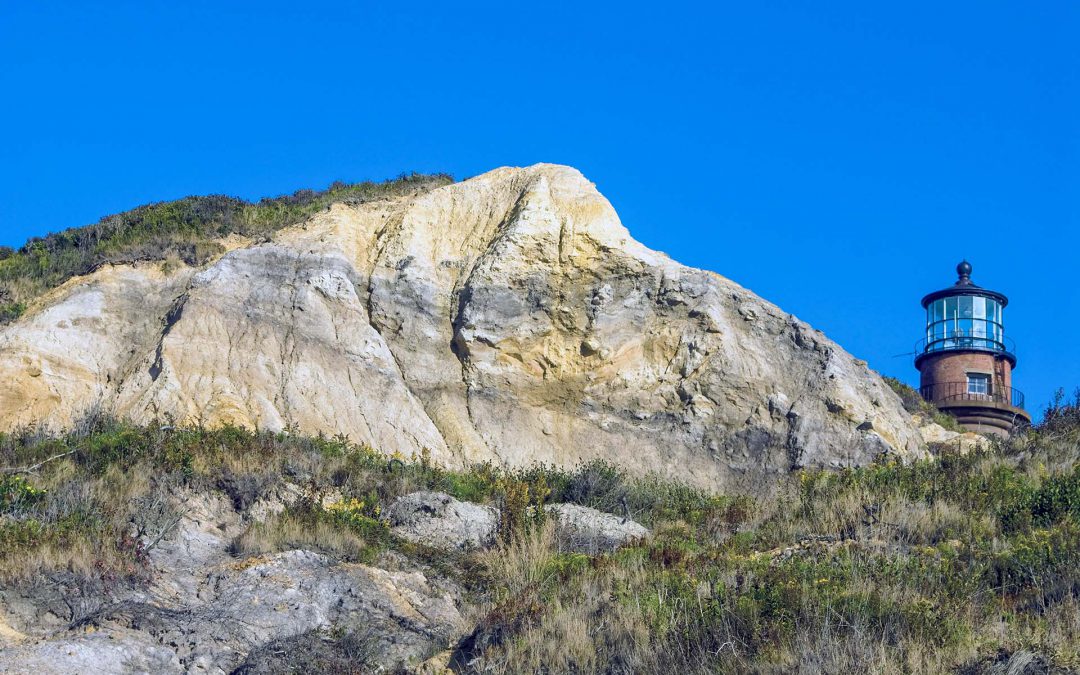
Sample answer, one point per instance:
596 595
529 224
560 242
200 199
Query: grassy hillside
185 228
945 565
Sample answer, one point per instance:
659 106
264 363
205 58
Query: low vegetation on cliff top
184 228
917 405
944 565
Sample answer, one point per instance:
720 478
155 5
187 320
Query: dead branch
34 467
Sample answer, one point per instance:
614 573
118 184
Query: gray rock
103 653
206 611
586 530
1021 663
436 519
253 603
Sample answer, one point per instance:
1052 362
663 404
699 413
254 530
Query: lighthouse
965 361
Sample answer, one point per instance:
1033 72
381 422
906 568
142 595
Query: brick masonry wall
955 366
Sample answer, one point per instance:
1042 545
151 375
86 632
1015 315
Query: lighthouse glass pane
950 318
993 318
965 332
936 329
967 304
933 316
950 323
966 325
978 307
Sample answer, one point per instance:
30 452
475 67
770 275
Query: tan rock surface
962 441
508 317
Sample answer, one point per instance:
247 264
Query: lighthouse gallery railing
956 392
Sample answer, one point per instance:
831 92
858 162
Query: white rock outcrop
938 437
585 530
509 317
438 520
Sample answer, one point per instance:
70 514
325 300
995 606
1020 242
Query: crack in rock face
509 317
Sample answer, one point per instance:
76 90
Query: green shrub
1040 564
17 493
121 445
1057 497
20 535
362 516
11 311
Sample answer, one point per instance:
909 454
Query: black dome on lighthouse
964 286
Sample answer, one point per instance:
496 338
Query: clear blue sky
836 158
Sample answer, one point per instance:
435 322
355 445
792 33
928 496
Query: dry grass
930 567
523 563
79 555
286 531
580 630
91 513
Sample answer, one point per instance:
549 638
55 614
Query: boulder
438 520
585 530
100 652
962 441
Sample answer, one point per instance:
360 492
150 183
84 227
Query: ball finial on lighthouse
964 270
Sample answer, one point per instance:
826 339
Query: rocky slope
509 317
206 611
152 549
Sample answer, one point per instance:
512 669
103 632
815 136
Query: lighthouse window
978 383
964 322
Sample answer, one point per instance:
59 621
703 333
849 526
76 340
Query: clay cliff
509 317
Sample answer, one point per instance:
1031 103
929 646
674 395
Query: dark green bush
1062 415
11 311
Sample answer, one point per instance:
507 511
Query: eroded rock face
251 604
207 611
509 317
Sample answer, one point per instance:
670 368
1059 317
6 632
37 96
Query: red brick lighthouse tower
965 360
